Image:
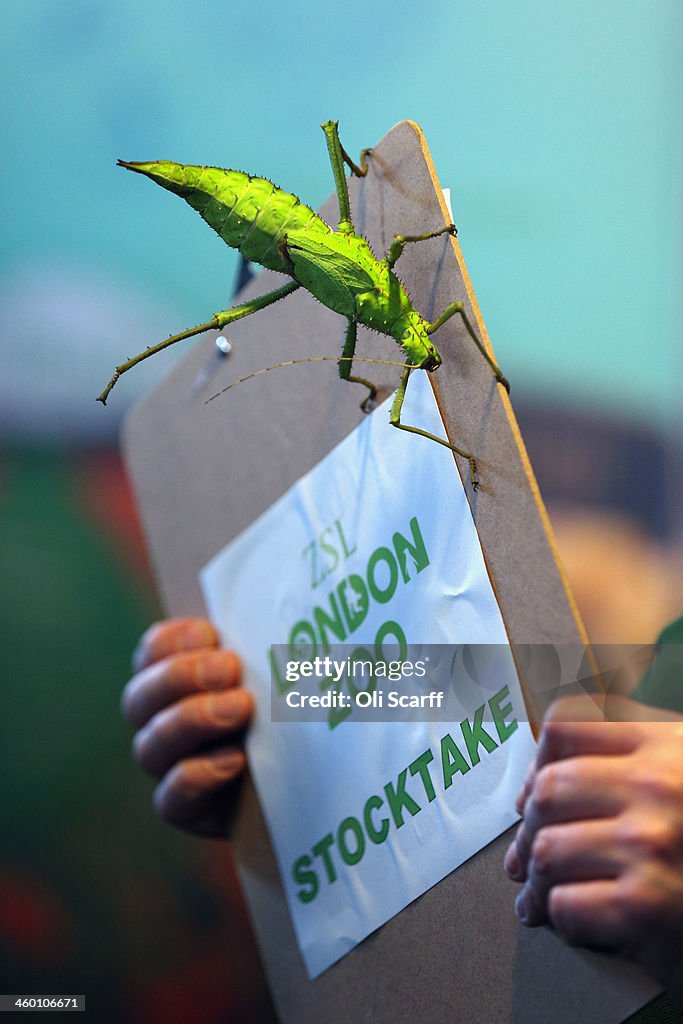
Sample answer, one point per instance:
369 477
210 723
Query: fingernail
217 670
222 710
228 764
522 906
511 862
196 633
228 708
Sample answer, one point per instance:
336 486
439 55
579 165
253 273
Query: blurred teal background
558 130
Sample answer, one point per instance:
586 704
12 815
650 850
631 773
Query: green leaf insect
275 229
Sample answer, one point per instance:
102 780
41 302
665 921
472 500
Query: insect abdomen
250 214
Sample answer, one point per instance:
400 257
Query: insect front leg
400 241
336 154
217 323
346 364
459 308
395 420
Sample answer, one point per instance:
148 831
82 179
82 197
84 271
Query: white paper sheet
340 803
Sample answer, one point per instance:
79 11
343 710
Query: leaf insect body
276 230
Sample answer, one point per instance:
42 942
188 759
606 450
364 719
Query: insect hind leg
217 323
346 365
395 420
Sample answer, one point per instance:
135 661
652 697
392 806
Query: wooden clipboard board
202 473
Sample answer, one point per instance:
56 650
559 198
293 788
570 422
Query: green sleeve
662 684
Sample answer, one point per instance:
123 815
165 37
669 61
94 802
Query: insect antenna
307 359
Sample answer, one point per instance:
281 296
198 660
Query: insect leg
346 363
400 241
458 307
219 320
395 420
334 148
361 171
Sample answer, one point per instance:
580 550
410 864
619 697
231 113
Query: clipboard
202 473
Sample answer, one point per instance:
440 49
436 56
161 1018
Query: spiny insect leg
400 241
458 307
334 148
395 420
346 363
219 320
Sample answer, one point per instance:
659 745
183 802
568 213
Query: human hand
189 709
600 846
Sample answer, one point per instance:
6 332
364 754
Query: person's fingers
526 787
592 914
573 790
183 728
575 727
576 852
171 636
585 851
511 863
176 677
562 739
189 795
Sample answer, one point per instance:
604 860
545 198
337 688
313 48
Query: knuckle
169 636
557 733
188 788
195 634
182 793
661 838
642 779
230 667
135 699
546 788
148 643
187 722
208 669
655 782
561 913
140 747
651 837
152 744
194 717
638 904
171 795
180 782
156 630
542 853
181 671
